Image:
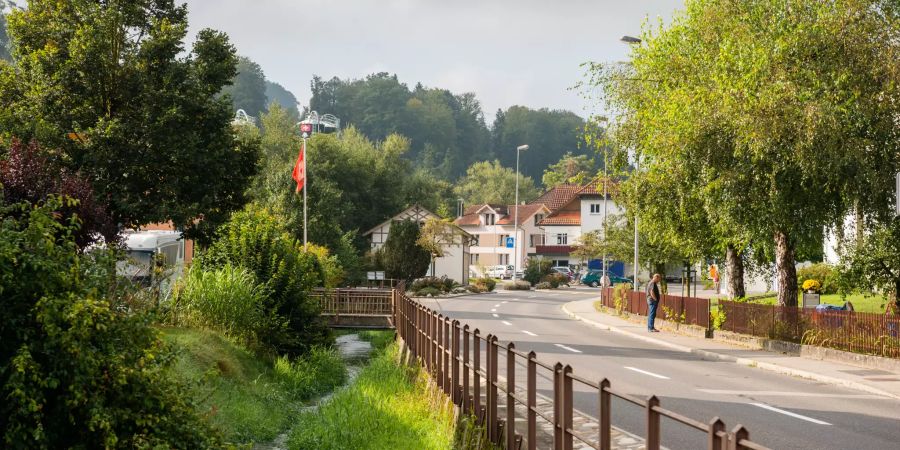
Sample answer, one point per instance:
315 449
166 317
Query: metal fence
869 333
688 310
466 366
355 302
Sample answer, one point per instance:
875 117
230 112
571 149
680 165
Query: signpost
510 242
305 131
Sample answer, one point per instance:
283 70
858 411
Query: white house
491 226
454 264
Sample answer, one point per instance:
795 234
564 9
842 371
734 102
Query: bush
825 274
475 289
76 370
544 285
332 271
319 371
255 239
536 269
517 285
428 292
556 279
227 299
485 284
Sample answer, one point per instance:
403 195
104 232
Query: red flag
299 174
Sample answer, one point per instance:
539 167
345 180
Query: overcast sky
508 52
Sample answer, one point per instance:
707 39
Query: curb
748 362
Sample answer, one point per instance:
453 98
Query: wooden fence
687 310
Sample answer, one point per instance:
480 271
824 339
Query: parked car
565 271
595 277
502 272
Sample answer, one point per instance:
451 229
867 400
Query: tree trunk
660 268
734 262
786 270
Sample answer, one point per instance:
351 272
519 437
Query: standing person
714 275
652 302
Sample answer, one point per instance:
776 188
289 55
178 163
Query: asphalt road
780 411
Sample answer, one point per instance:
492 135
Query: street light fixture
630 39
519 149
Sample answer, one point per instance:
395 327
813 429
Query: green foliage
550 134
276 93
570 169
536 269
248 87
517 285
556 279
388 406
227 299
873 264
402 257
825 274
256 240
717 318
545 285
318 371
489 182
484 284
332 271
440 284
152 136
75 368
5 44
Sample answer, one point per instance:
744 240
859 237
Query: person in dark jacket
653 296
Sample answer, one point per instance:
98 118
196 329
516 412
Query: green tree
490 182
438 234
248 87
570 169
874 264
550 134
5 44
109 84
402 256
276 93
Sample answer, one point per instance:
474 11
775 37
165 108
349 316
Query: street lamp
630 40
603 119
519 149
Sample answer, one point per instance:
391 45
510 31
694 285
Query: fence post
465 370
510 399
568 406
557 406
652 424
737 434
476 377
605 416
492 388
455 384
532 401
446 353
715 441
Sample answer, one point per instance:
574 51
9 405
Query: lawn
861 303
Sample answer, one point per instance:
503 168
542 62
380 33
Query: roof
506 214
596 188
414 212
150 240
558 196
562 218
525 212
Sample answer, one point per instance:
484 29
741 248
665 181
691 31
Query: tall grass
389 406
318 371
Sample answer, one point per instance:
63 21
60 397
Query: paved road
781 412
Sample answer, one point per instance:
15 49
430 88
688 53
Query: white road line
504 301
496 315
567 348
506 323
494 310
788 413
528 333
661 377
497 305
786 394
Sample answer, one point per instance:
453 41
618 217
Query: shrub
475 289
332 271
556 279
428 292
438 284
402 257
227 299
544 285
825 274
536 269
255 239
318 371
75 369
485 284
517 285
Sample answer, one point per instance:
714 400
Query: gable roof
506 213
414 212
558 196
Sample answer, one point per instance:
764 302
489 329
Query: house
492 226
455 262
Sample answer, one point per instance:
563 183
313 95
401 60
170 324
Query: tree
550 134
570 169
438 234
5 44
109 84
874 264
489 182
402 256
248 88
692 100
276 93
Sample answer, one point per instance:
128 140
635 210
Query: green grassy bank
388 406
246 397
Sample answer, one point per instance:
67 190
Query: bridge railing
467 366
355 302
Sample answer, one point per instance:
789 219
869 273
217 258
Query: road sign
510 242
306 128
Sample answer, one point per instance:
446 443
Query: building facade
492 226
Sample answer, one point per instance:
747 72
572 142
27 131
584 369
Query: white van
502 272
142 248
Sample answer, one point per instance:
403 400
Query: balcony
553 249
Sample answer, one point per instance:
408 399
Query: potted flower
812 286
811 297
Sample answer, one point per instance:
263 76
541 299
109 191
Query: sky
508 52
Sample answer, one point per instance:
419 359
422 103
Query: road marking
504 301
788 413
494 310
506 323
528 333
567 348
497 305
786 394
661 377
496 315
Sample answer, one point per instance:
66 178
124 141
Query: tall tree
276 93
248 87
402 256
108 84
549 133
569 169
490 182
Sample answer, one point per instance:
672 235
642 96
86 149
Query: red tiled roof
525 213
506 214
468 219
558 196
562 218
596 188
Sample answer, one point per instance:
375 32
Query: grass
389 406
248 398
871 303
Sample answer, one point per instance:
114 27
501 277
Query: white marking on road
494 310
567 348
504 301
788 413
661 377
497 305
506 323
786 394
496 315
528 333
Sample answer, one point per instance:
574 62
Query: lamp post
603 119
634 41
519 149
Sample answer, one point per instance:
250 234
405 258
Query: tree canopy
569 169
490 182
248 88
550 134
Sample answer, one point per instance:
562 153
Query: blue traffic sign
510 242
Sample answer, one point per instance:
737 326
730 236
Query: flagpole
305 172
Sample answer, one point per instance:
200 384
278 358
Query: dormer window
538 218
488 219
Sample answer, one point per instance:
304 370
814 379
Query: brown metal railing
688 310
452 353
355 302
869 333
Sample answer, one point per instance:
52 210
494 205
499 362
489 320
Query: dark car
595 277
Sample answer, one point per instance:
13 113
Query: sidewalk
879 382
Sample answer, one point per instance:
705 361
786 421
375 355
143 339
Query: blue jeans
651 313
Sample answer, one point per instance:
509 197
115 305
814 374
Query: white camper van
142 248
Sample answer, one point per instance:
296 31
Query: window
501 240
538 218
595 208
504 259
535 240
562 239
488 219
473 258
